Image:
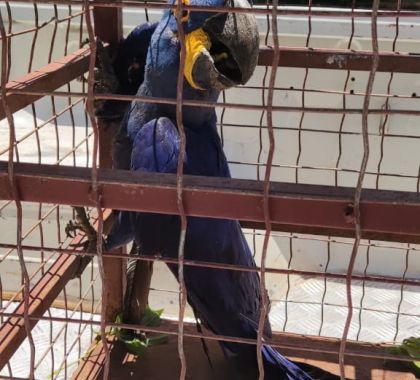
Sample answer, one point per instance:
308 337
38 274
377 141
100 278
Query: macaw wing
130 62
154 149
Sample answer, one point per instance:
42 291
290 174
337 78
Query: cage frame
333 209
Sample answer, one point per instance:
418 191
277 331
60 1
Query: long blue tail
277 367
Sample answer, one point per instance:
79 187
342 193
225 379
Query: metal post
108 27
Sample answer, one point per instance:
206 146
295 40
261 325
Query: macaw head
221 48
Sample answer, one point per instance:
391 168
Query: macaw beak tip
233 53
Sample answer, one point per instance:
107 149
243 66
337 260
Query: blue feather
130 62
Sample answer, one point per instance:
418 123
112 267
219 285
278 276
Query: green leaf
410 347
119 318
157 339
126 335
151 317
133 344
136 346
414 367
116 330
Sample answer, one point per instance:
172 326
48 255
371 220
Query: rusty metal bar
316 58
212 104
180 198
43 25
108 27
215 265
357 214
47 78
14 191
388 215
95 191
409 11
41 296
108 23
52 76
266 204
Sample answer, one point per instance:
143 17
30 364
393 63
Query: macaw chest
205 156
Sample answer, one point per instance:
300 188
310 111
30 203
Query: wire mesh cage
322 149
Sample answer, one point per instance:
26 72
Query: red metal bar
409 10
14 191
357 214
41 296
52 76
266 204
388 215
108 23
47 78
108 27
340 59
214 265
182 301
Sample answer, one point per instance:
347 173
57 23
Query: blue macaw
221 51
120 70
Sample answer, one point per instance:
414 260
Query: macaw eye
185 12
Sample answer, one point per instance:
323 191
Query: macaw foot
82 224
106 82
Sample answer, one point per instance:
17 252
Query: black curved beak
231 53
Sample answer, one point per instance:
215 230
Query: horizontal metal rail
340 59
216 265
387 10
54 75
314 209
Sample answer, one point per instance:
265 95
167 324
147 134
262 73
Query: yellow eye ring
185 12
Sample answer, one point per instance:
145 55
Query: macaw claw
82 224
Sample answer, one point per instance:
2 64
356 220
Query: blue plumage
227 302
131 58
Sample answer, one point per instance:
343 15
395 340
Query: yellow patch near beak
195 43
